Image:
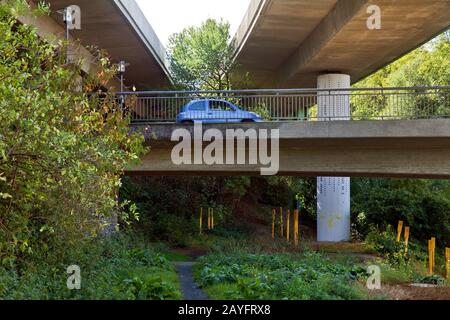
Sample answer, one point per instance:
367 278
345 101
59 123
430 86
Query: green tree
426 66
63 146
202 57
424 205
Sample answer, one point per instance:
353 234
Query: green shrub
385 243
280 276
424 205
117 267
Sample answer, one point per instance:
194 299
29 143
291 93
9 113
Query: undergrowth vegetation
278 276
113 268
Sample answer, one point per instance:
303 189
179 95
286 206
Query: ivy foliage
63 145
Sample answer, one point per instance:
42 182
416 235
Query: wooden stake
281 223
296 213
406 239
288 222
433 251
447 262
430 257
209 218
212 218
201 220
273 223
399 230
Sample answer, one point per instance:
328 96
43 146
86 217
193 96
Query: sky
171 16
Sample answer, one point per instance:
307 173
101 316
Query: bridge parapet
295 104
400 148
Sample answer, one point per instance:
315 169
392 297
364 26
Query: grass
176 256
391 275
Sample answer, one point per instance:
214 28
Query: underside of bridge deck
287 44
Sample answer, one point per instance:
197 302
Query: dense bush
169 207
424 205
63 147
385 243
113 268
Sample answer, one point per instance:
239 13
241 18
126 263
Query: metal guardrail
300 104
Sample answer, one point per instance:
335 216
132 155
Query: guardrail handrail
292 104
306 90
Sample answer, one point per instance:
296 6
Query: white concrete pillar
333 194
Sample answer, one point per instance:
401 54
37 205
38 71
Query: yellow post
296 227
447 262
201 220
212 218
433 251
209 218
281 222
406 239
288 222
430 257
399 230
273 223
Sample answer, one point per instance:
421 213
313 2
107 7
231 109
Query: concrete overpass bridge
117 26
289 43
333 133
397 148
391 132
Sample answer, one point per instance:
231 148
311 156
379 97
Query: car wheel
247 121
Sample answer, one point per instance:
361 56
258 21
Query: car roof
216 100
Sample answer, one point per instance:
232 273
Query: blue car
214 111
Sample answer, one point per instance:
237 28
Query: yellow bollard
433 251
430 263
288 222
281 223
273 223
406 239
430 257
209 218
447 263
296 227
201 220
399 230
212 218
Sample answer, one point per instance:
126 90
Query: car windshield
217 105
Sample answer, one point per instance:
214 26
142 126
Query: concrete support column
333 194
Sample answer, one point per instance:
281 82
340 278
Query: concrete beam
339 16
252 17
404 148
50 30
145 32
120 28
